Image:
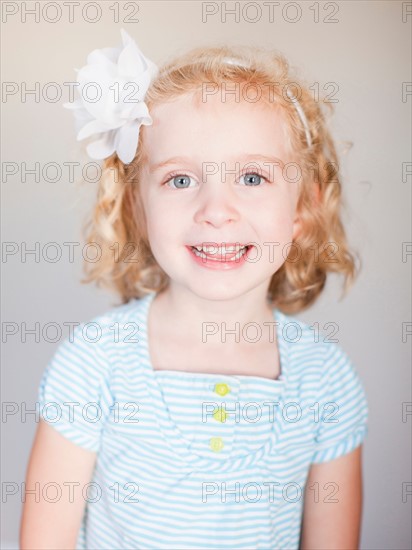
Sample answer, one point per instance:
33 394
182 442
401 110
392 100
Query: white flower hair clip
119 79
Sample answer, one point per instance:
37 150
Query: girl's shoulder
316 338
79 374
114 319
314 349
90 344
133 309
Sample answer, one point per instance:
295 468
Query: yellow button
220 415
222 389
216 444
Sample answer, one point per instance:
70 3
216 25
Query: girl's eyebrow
244 158
168 162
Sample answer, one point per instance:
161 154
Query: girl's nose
216 202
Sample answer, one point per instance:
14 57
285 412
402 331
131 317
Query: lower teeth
236 257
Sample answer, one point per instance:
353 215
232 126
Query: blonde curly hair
118 222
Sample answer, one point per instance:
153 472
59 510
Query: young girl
199 412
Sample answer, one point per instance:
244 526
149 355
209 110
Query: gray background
367 54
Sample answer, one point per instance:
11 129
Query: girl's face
218 191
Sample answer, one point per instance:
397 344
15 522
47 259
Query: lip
214 243
219 264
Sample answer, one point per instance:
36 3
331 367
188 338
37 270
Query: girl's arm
56 460
333 525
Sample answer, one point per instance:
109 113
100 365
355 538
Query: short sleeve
74 394
342 422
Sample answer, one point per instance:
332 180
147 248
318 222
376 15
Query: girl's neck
182 313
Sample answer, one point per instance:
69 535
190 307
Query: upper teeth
220 249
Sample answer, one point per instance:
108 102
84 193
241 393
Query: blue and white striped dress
193 460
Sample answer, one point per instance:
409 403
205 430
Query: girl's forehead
217 124
201 105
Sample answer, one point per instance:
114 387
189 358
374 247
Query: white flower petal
91 128
126 38
105 107
130 63
103 147
97 73
104 54
126 141
153 70
81 118
140 111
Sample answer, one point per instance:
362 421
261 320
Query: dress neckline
173 435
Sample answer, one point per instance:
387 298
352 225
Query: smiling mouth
226 253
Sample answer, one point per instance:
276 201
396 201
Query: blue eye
255 178
181 181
